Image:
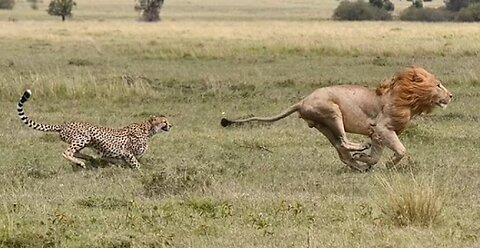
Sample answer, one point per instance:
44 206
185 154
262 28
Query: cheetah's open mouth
166 128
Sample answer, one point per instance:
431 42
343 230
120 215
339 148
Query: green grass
278 185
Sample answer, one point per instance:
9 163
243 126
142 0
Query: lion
381 114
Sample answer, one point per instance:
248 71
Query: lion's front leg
390 139
338 139
374 156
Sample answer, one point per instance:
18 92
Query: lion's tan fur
381 113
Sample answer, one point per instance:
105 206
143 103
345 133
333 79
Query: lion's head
417 89
413 91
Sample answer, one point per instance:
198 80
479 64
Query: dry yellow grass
373 38
411 201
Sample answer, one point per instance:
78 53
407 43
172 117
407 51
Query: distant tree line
148 9
454 10
7 4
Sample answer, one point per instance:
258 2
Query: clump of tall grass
409 201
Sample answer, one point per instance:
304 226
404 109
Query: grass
278 185
412 202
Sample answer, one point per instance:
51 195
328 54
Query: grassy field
278 185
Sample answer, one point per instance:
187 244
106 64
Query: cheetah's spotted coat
128 143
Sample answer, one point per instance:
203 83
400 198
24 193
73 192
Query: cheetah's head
159 124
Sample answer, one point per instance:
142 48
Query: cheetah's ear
151 118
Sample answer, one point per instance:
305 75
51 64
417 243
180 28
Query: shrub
389 6
426 14
149 9
359 11
469 14
7 4
417 4
411 201
456 5
382 4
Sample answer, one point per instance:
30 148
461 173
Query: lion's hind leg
356 147
342 148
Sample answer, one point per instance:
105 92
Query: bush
426 14
382 4
456 5
418 4
359 11
389 6
7 4
469 14
411 201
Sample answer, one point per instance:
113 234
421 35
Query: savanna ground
278 185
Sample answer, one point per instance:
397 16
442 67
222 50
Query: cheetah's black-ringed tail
29 122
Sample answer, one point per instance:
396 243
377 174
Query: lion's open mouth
442 104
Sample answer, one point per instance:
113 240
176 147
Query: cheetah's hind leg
83 156
73 154
105 161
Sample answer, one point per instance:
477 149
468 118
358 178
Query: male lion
381 114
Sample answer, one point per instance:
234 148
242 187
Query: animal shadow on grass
96 163
408 165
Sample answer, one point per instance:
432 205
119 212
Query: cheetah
113 144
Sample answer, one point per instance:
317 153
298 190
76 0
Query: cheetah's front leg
131 160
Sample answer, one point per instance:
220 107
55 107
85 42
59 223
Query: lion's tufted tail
27 121
292 109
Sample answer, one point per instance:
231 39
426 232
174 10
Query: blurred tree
470 13
359 11
457 5
376 3
417 4
33 4
7 4
149 9
382 4
388 5
61 8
